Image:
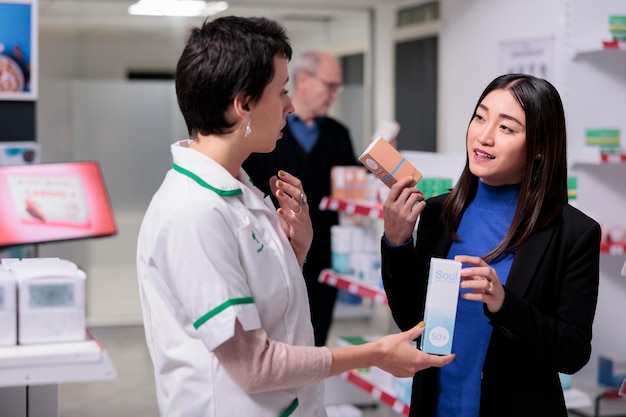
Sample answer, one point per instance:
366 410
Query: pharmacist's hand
402 359
484 282
293 212
401 210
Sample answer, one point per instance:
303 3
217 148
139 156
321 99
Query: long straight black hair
543 190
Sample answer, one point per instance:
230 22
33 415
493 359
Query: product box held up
441 303
384 161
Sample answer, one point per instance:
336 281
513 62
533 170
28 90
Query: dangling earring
248 129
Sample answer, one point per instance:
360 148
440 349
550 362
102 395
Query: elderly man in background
312 144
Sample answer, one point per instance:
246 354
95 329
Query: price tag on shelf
332 280
380 298
616 249
613 158
376 393
398 407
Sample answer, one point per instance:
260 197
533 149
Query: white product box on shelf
8 310
354 253
50 300
441 302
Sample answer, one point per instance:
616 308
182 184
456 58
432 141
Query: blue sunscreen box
442 297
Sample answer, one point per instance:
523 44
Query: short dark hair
222 59
543 190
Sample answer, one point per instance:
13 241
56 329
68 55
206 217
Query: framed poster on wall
18 50
528 56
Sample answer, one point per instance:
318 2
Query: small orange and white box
348 182
384 161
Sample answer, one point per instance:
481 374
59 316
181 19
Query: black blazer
544 326
333 148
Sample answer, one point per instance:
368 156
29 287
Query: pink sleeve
258 364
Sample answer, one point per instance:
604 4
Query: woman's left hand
483 280
293 212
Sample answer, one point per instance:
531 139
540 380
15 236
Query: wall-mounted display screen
53 202
18 49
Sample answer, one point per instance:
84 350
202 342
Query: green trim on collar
220 308
223 193
289 411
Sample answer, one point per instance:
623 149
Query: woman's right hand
401 210
402 359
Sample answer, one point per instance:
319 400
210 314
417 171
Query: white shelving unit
30 374
377 295
597 102
594 96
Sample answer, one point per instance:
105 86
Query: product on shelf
617 27
611 369
389 130
349 183
607 139
354 253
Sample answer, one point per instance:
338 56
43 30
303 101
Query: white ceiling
105 17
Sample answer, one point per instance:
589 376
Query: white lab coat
211 251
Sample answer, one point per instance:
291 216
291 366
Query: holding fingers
401 210
483 280
293 212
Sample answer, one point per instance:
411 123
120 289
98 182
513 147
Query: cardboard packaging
348 183
384 161
441 301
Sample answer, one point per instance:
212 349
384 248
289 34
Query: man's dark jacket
333 148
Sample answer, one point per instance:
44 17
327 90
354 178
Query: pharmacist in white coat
223 298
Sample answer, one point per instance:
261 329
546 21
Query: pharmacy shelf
371 210
613 158
377 392
613 248
574 398
591 156
608 48
55 363
330 277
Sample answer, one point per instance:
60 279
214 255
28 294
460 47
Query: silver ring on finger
297 212
302 200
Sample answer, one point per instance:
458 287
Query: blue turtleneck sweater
484 224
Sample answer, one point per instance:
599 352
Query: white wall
470 35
